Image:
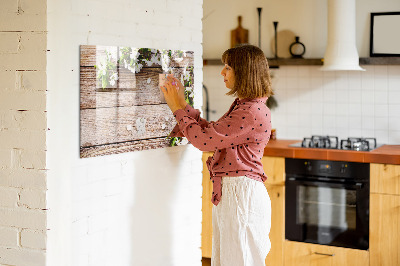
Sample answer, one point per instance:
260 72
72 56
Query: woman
242 208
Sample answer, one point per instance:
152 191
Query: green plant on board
107 71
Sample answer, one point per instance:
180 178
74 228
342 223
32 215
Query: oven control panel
337 169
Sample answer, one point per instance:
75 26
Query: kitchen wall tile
380 71
292 83
381 136
304 82
342 122
354 122
367 96
328 74
394 110
394 123
291 71
342 109
304 72
394 137
394 97
342 80
367 110
382 110
329 109
356 102
355 96
394 82
315 72
355 132
367 122
381 97
381 84
342 96
393 71
355 109
381 123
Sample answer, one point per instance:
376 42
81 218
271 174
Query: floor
206 261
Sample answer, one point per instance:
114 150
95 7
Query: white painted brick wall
121 209
23 128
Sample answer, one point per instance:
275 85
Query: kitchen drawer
305 254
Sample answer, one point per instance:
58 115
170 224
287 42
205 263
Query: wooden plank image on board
121 106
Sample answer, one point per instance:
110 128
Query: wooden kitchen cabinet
385 215
274 168
305 254
206 225
385 178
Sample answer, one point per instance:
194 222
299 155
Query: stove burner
358 144
332 142
328 142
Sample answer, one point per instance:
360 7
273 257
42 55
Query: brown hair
250 66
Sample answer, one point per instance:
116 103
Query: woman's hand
174 93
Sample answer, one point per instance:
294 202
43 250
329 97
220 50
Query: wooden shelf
274 63
380 61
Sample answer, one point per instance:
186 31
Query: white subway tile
382 136
394 110
381 97
367 96
382 110
380 84
394 97
380 71
355 96
394 123
368 123
394 137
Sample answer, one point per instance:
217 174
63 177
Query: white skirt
241 223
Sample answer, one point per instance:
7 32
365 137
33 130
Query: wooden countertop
389 154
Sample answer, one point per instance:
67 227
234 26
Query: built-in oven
327 202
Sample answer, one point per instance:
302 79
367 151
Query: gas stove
332 142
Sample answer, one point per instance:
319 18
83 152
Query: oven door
327 213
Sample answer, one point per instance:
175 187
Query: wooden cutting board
239 35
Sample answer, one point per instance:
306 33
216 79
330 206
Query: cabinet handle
324 254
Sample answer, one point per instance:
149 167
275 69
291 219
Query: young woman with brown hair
242 208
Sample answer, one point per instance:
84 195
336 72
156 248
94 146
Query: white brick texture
33 239
23 125
9 237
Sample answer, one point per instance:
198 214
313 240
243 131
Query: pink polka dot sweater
238 139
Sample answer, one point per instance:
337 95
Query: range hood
341 51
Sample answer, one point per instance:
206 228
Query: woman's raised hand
174 93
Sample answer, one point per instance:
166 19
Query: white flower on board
141 126
148 80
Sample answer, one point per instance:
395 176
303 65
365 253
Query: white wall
23 133
140 208
311 102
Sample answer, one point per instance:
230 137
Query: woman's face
229 76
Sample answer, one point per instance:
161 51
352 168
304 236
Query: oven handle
324 254
357 185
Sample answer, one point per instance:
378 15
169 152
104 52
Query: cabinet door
304 254
274 168
385 178
384 230
206 232
277 233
